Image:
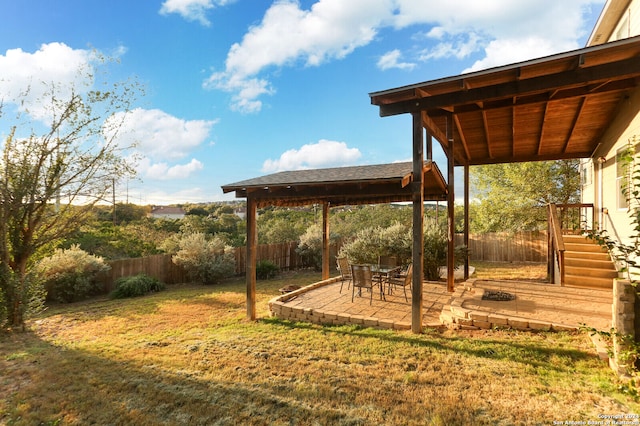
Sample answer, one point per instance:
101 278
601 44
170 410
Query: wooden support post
252 244
325 241
450 207
466 220
418 231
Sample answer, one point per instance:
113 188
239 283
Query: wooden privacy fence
284 255
526 246
158 266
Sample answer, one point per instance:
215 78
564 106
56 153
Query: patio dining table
383 273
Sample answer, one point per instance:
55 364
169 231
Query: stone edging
278 308
455 316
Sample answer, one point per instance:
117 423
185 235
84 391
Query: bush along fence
498 247
158 266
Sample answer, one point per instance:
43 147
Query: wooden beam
485 125
466 220
463 139
542 127
325 241
252 244
450 209
513 130
609 71
432 128
418 232
579 110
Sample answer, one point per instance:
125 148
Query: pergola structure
551 108
331 187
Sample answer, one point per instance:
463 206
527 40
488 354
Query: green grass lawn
188 355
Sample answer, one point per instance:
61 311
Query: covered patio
550 108
332 187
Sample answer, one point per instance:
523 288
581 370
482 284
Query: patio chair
387 261
404 281
362 278
345 271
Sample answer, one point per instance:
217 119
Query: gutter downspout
601 161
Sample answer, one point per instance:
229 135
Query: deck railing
564 219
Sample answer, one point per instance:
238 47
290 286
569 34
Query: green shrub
396 240
370 243
70 275
205 260
435 250
266 269
137 285
310 247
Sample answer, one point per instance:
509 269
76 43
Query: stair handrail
556 243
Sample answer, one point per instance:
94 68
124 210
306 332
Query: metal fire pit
499 296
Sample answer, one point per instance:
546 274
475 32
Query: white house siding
603 188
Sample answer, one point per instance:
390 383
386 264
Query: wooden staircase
587 264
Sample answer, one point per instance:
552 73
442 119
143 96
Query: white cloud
332 29
192 10
163 171
27 78
325 153
159 140
159 135
459 47
390 60
502 31
502 52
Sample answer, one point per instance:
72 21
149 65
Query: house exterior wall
600 183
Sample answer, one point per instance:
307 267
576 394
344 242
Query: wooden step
589 262
590 282
587 255
584 247
571 237
590 272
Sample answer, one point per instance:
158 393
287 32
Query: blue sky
236 89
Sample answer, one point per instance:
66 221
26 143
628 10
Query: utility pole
113 192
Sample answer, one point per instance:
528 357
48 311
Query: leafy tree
194 224
281 225
125 212
198 211
512 197
51 174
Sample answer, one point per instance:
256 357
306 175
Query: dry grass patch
189 356
511 271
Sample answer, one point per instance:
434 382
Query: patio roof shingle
370 184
